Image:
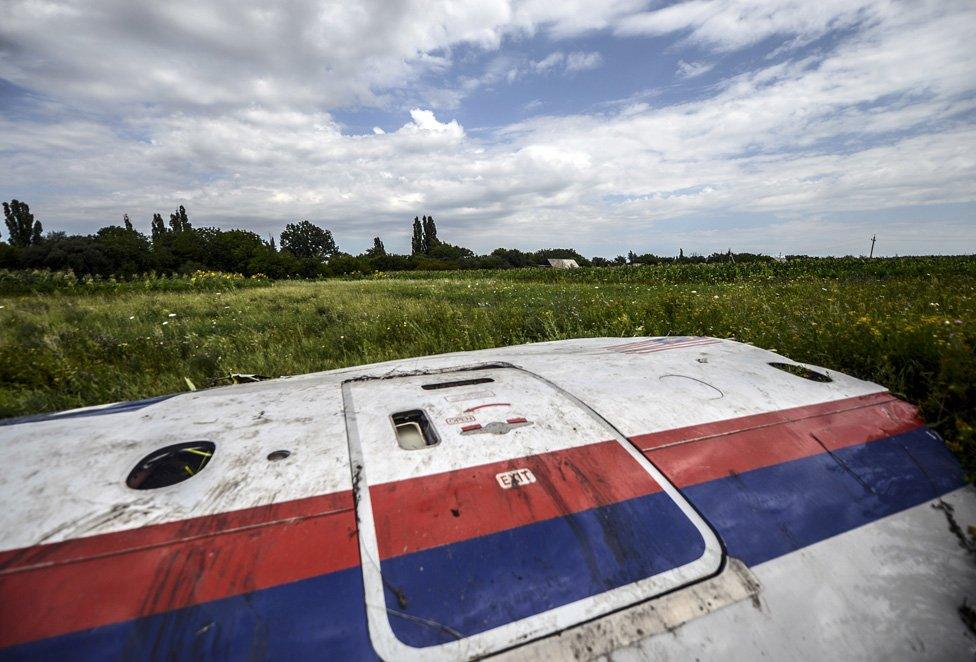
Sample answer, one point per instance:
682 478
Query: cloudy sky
786 126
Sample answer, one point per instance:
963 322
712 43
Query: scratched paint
578 520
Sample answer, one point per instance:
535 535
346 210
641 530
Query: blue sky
610 71
781 126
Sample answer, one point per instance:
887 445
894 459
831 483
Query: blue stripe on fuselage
485 582
768 512
322 618
117 408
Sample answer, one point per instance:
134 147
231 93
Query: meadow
908 323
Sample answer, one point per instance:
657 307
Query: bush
43 281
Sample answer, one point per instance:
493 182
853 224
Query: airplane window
170 465
413 430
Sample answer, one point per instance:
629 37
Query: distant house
563 264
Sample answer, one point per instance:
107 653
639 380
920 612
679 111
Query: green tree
307 240
392 262
430 239
21 226
178 221
445 251
275 264
417 243
513 257
84 255
342 264
127 251
158 227
229 250
378 249
185 251
179 248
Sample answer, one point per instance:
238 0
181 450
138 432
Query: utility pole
872 246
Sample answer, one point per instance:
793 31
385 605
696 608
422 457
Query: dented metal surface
546 522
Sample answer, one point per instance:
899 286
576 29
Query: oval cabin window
170 465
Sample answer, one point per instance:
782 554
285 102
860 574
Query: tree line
303 250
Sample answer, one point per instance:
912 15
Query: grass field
908 324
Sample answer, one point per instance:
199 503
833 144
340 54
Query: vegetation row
302 250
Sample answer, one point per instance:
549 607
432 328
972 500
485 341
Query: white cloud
218 116
187 54
570 18
550 61
568 62
732 24
201 56
508 69
424 123
580 61
693 69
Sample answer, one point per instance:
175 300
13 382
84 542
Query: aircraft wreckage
667 498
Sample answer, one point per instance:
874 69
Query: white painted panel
555 423
568 423
889 590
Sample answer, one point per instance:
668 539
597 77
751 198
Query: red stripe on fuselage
700 453
170 532
87 582
429 511
652 440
